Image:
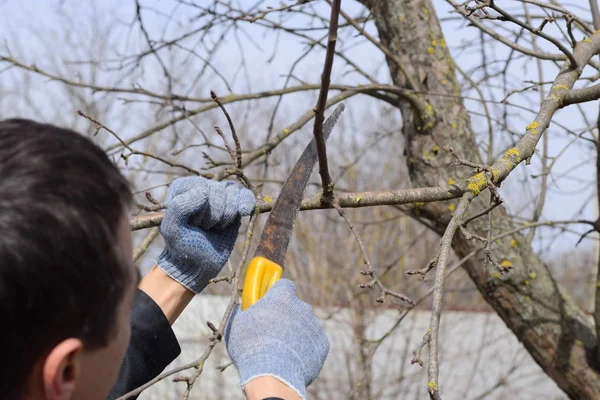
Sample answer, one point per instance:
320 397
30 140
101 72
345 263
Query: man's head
66 276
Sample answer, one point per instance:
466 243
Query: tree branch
322 100
345 200
438 292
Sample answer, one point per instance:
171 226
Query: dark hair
61 274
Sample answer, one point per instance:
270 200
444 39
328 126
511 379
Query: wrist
281 367
171 296
268 387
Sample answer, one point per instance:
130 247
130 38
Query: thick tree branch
525 147
583 95
345 200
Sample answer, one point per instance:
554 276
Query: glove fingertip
247 202
178 186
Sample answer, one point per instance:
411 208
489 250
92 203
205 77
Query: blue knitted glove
277 336
200 227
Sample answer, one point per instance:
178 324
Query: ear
61 369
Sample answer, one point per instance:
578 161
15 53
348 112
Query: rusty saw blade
280 223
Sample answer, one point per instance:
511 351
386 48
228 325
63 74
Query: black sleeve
153 346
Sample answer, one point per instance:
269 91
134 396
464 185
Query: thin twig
370 271
133 151
438 291
238 147
322 100
143 247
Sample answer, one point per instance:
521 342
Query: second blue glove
200 228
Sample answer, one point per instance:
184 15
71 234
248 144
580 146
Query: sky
63 36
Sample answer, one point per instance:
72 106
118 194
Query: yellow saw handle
261 275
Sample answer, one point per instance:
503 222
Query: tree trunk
554 330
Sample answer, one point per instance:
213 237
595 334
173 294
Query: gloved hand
277 336
200 227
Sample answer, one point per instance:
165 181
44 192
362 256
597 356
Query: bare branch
370 271
237 157
136 152
438 292
322 100
345 200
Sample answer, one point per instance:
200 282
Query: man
69 301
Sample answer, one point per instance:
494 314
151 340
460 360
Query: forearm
153 346
171 296
264 387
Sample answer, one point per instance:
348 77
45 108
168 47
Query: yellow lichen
533 128
444 81
496 275
451 181
587 40
476 183
433 43
432 385
495 175
454 125
430 154
426 11
558 87
401 18
513 243
511 157
451 207
506 263
513 152
420 204
286 131
427 116
554 97
579 343
357 199
532 275
267 199
430 50
443 43
526 283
